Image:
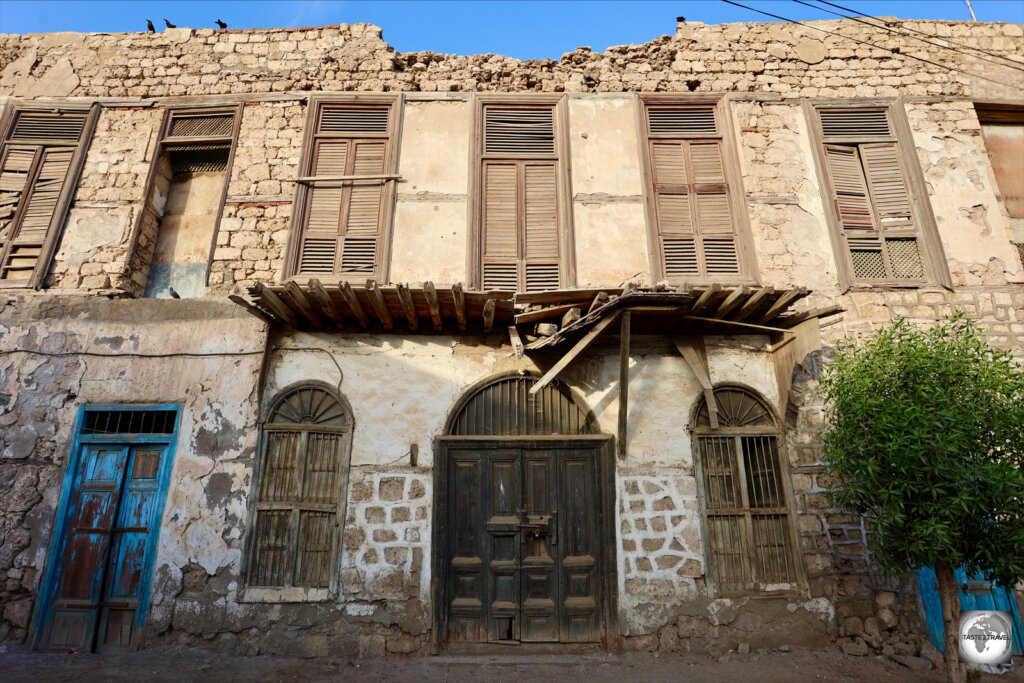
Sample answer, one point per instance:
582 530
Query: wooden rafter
354 304
691 348
379 306
581 345
405 297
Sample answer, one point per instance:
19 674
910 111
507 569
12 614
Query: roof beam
405 296
277 307
752 303
317 291
490 306
380 307
430 294
782 302
353 302
704 300
459 297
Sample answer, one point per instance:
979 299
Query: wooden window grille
297 515
342 228
694 214
198 140
520 200
39 156
879 228
747 519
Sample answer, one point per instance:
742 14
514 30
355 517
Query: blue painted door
105 548
975 594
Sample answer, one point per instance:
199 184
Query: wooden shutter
344 218
25 242
520 213
47 127
857 123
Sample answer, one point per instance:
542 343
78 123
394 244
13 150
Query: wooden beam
623 381
563 296
517 343
380 307
782 302
276 306
752 303
303 304
353 303
251 309
430 294
599 300
731 302
691 348
544 313
405 296
704 300
333 310
763 328
489 308
822 312
460 305
581 345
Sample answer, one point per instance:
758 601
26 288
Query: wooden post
623 381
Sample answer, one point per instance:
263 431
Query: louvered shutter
26 240
675 217
14 172
344 218
362 224
714 218
320 238
520 213
850 197
541 226
500 266
893 210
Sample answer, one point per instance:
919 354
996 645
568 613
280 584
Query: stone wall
743 57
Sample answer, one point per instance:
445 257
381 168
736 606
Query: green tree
924 438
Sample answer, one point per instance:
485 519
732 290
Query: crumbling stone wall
742 57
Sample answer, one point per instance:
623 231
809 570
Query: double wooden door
100 587
522 539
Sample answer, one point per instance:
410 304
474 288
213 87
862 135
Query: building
309 346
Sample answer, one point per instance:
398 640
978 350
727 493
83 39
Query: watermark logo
985 637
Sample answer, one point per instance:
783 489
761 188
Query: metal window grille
129 421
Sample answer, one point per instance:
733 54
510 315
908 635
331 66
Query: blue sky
526 29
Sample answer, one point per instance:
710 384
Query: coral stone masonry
312 347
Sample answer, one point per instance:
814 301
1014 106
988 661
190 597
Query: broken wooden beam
517 343
433 305
623 381
544 313
405 297
302 303
735 323
276 306
821 312
782 302
490 306
327 304
259 313
380 307
581 345
354 304
691 348
599 300
459 297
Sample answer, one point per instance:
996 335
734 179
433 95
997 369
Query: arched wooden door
523 549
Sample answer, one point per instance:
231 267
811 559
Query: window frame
933 260
746 254
301 200
477 159
250 592
755 587
58 219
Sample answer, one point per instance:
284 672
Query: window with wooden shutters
520 202
303 476
696 212
748 533
347 190
38 159
879 227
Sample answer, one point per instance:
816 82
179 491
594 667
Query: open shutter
320 238
500 219
362 225
26 240
893 209
14 172
850 196
541 226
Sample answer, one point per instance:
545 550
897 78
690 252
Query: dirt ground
186 664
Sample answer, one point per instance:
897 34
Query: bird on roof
169 24
221 24
149 25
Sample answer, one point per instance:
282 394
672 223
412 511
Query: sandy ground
185 664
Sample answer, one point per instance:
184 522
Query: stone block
392 488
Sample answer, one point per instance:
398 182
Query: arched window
505 407
302 476
748 529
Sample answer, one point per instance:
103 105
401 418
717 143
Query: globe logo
985 637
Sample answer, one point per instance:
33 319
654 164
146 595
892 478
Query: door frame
611 639
44 597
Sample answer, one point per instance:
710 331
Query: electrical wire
929 35
1015 65
865 42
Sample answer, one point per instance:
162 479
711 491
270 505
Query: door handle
553 528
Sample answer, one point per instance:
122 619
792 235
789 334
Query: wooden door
522 544
105 548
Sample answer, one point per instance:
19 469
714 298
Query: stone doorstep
519 660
